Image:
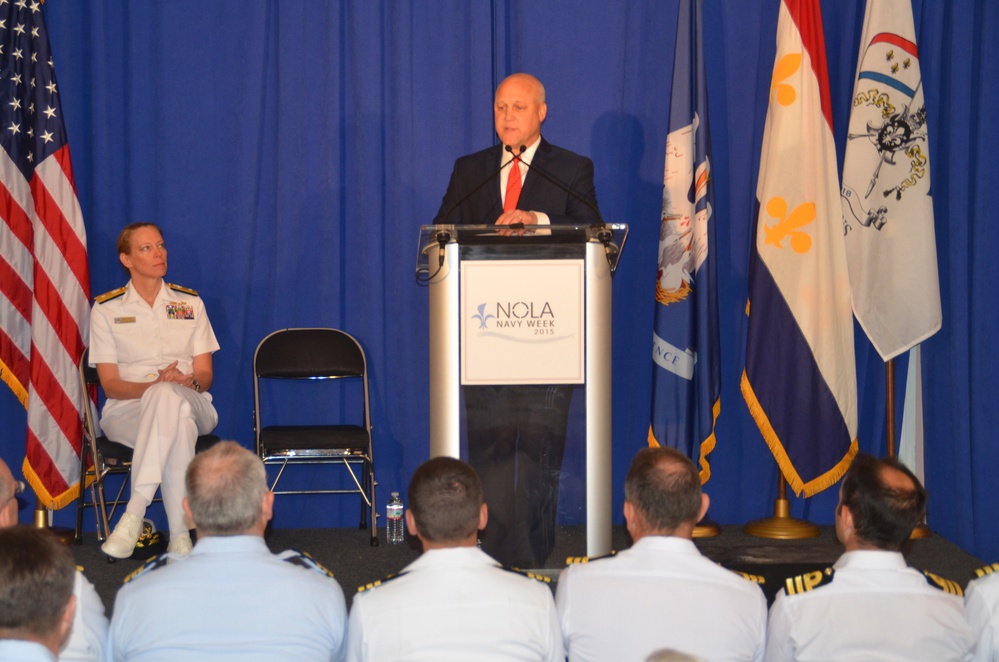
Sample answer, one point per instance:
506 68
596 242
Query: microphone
556 182
479 187
604 236
443 238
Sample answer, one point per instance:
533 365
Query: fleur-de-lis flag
800 378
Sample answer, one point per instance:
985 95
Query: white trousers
162 427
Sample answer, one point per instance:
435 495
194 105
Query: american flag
44 280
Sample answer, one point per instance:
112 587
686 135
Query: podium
524 306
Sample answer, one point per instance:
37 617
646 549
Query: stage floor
347 553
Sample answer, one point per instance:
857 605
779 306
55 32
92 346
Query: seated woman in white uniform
152 345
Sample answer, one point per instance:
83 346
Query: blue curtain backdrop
291 149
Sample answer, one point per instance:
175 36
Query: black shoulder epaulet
181 288
808 581
153 563
756 579
945 585
544 579
577 560
113 294
378 582
303 560
987 569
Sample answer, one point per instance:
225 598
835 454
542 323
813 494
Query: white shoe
180 545
121 543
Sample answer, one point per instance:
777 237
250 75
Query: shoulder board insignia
946 585
577 560
181 288
378 582
987 570
756 579
107 296
808 581
538 577
303 560
154 563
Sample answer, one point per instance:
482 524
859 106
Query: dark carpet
347 553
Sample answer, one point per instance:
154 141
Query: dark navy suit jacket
539 194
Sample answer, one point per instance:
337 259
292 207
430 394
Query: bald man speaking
516 434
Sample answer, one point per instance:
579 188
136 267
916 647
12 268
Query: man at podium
516 434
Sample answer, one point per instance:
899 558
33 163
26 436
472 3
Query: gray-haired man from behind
230 598
36 594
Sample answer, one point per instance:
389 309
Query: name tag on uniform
124 320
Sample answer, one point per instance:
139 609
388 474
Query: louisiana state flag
800 378
687 380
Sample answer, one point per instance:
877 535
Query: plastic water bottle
395 529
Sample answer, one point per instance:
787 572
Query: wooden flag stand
921 530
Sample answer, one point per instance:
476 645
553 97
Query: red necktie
512 187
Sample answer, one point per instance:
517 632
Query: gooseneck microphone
556 182
604 235
475 190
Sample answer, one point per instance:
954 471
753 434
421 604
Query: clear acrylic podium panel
583 520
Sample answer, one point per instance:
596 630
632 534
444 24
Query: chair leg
82 499
370 475
364 490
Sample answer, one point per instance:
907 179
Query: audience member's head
36 587
880 502
227 492
662 494
9 489
445 503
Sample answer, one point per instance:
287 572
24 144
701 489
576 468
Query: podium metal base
781 526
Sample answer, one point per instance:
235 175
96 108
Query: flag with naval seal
686 388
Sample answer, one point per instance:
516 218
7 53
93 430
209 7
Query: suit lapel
534 182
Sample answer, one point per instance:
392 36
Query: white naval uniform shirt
981 604
875 608
143 339
90 625
660 593
229 599
455 604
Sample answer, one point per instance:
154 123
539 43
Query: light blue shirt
229 599
13 650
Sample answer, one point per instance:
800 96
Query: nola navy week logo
536 317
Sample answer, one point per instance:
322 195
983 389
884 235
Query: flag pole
65 535
890 406
781 526
921 530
